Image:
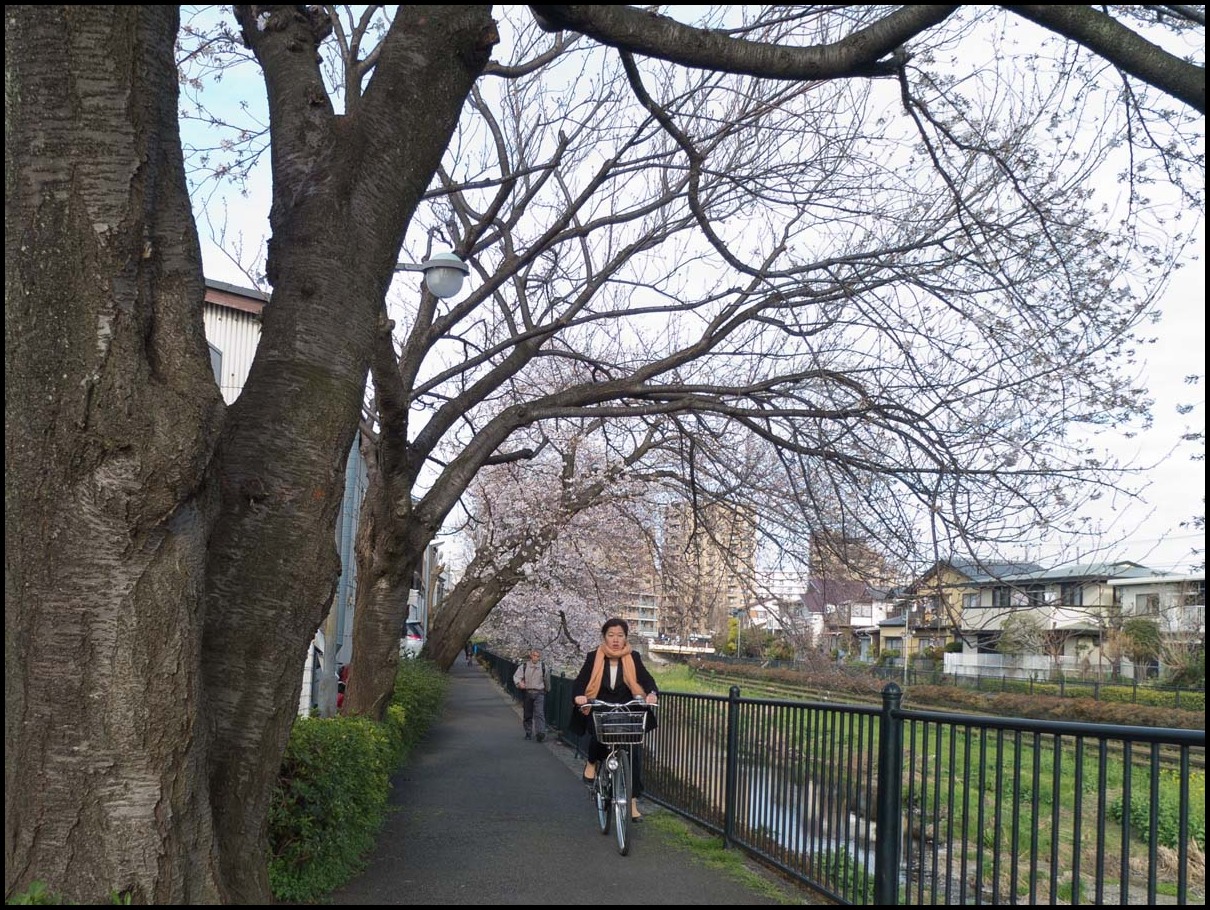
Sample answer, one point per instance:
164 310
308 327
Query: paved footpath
484 816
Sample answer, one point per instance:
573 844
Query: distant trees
1142 643
559 546
1021 633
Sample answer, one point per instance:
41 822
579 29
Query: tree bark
344 191
152 675
384 578
465 608
111 416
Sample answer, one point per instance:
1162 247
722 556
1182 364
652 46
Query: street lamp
443 273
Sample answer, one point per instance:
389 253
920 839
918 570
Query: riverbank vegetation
716 677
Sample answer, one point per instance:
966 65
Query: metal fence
1063 685
1125 691
983 810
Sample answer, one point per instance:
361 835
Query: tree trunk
111 416
384 578
461 613
160 591
344 191
481 588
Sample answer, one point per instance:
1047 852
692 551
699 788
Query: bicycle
619 727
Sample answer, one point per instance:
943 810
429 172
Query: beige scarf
628 673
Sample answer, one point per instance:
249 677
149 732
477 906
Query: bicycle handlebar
633 703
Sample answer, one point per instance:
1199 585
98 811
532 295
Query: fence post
890 794
732 769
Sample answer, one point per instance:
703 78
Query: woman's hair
615 621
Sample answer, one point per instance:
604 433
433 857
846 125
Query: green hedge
331 797
959 698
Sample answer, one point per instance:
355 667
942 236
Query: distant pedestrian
469 651
530 679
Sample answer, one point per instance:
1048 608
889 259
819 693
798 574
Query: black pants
533 711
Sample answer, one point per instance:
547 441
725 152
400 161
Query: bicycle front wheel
600 793
621 802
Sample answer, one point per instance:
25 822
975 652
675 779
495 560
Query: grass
708 849
676 677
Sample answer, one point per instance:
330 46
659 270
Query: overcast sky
1146 529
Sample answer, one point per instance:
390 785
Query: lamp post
443 273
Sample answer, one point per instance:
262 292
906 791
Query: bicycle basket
620 728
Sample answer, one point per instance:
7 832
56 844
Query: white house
1075 607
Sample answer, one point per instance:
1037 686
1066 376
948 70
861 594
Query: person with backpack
530 679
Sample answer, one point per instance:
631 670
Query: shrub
331 797
36 893
328 805
1168 818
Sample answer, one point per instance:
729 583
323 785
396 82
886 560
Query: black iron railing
982 810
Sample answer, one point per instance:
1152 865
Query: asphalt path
484 816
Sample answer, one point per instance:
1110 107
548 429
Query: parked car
412 640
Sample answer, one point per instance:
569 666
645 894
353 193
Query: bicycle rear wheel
621 801
600 794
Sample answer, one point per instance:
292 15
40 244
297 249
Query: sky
1175 490
1144 529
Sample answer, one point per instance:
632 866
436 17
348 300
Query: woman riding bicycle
612 673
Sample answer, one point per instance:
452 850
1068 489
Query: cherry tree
556 556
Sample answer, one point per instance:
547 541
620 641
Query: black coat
617 694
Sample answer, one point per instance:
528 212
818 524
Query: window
970 601
1072 595
1148 603
1195 593
1002 597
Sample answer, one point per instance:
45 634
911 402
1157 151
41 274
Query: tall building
624 578
709 567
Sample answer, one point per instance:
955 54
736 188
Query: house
777 607
1070 613
951 586
851 611
1177 605
928 610
1176 602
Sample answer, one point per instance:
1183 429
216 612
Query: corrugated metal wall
236 335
